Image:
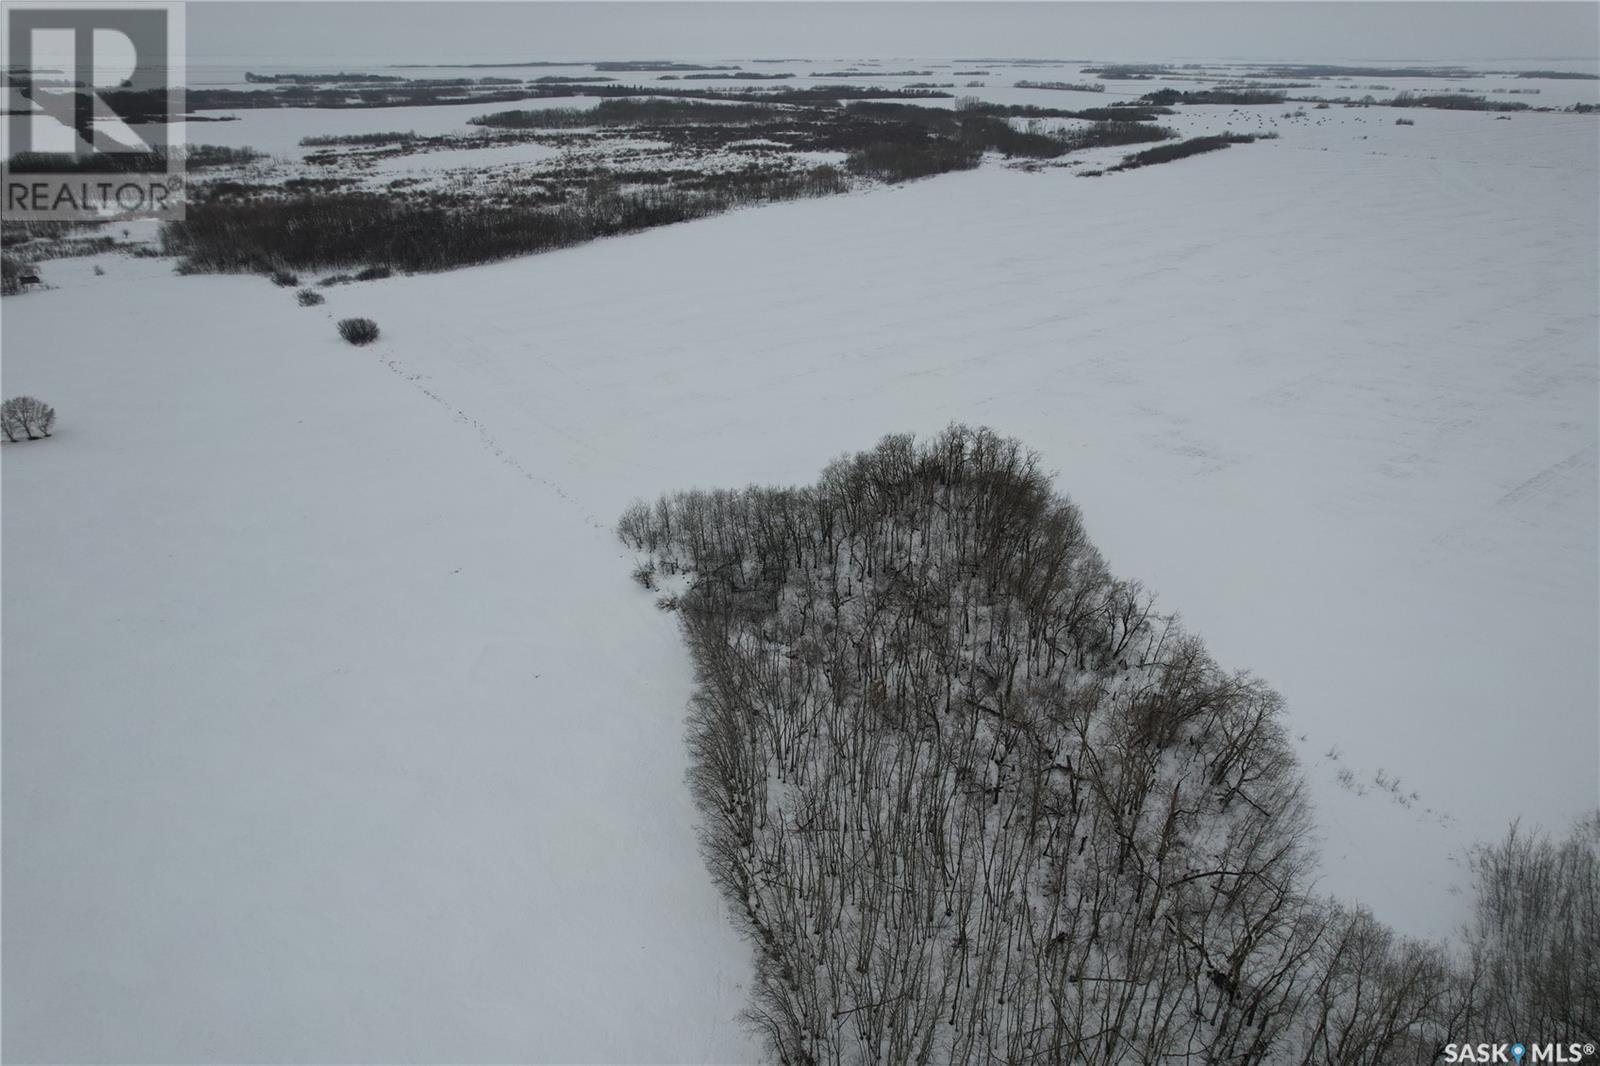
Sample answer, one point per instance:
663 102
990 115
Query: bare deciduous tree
974 800
26 416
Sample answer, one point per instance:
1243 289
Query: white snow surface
322 741
335 730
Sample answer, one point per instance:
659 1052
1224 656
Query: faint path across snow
489 442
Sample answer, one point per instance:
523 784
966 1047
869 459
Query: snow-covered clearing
335 730
322 741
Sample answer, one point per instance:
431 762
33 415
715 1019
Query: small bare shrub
309 298
284 280
358 330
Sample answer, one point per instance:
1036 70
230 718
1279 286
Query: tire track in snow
1541 483
1542 479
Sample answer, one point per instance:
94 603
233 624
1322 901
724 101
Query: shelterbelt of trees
975 800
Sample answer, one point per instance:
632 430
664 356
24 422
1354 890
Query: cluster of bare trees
24 416
975 800
1535 936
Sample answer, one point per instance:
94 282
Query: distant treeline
648 66
355 97
312 223
312 79
1167 153
628 112
194 156
332 140
1558 74
1453 102
1125 73
741 76
419 94
977 130
1128 112
1289 71
1213 96
872 74
439 232
890 141
1067 86
1323 70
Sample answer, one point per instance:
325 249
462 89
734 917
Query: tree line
974 799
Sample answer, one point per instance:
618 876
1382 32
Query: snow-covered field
335 730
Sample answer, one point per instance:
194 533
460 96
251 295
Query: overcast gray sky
390 31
